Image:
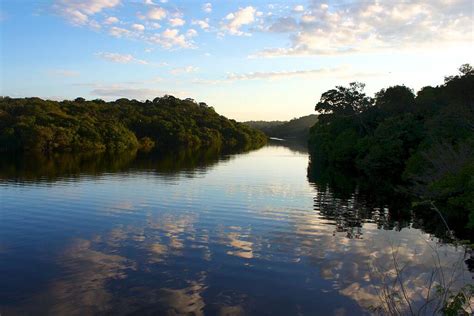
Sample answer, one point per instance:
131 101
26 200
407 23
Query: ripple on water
240 235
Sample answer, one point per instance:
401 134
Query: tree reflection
352 205
357 199
350 202
25 168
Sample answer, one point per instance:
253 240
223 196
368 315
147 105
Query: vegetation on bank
422 144
33 124
295 129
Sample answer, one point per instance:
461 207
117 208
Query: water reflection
397 254
229 235
296 146
54 167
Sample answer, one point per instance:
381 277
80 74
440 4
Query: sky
250 60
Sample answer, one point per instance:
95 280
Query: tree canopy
424 142
33 124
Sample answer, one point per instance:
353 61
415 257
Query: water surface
198 234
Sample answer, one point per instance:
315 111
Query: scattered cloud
121 58
373 25
207 7
119 32
184 70
235 20
138 27
155 25
111 20
298 8
157 13
283 74
203 24
170 38
79 12
283 25
345 72
177 22
191 33
311 28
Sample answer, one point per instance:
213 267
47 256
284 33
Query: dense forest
36 125
295 129
422 145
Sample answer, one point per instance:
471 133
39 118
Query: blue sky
249 59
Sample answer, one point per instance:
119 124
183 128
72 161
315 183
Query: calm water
198 234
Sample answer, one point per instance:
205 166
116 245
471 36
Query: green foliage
296 129
423 142
343 102
36 125
395 100
456 192
386 151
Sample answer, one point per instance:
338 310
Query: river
203 234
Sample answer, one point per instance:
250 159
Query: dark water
200 234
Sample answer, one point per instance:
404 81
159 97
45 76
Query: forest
296 129
44 126
420 144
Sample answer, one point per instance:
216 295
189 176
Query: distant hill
297 129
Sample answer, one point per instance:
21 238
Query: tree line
295 129
36 125
422 144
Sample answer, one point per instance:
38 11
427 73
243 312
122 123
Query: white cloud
298 8
138 27
182 70
121 58
207 7
119 32
78 12
170 38
236 20
94 24
284 74
191 33
111 20
341 72
376 25
284 24
203 24
177 22
157 13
